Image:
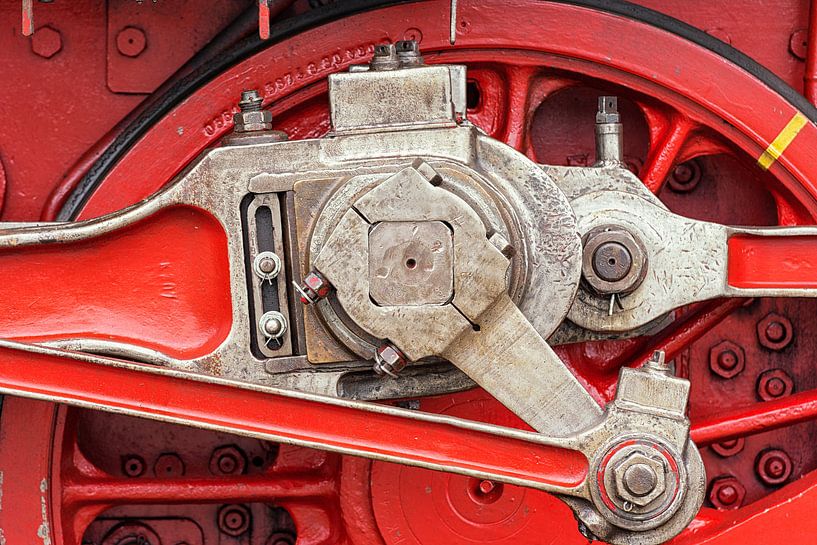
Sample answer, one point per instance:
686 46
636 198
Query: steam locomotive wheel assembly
712 135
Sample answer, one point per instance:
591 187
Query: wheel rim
516 72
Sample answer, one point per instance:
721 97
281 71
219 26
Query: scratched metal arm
425 243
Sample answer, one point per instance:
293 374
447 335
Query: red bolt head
729 447
685 177
773 467
726 492
774 331
46 42
168 466
484 491
774 384
798 44
131 41
486 486
133 465
726 359
234 520
228 460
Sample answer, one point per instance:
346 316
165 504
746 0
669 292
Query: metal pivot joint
267 266
273 325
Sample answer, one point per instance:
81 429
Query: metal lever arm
363 429
510 360
569 467
686 260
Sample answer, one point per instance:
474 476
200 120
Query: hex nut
168 465
46 42
389 360
727 359
133 465
773 467
726 492
613 236
314 287
228 460
774 384
234 520
622 474
727 448
131 41
273 325
774 331
685 177
258 120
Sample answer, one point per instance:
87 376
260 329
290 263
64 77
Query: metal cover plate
411 263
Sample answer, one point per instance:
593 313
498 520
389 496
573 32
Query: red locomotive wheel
697 117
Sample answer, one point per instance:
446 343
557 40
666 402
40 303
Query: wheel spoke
665 151
677 337
515 128
761 417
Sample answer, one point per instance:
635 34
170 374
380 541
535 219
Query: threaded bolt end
250 101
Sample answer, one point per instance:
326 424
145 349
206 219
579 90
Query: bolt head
131 41
389 361
729 447
685 177
46 42
727 359
640 478
250 99
408 47
385 58
168 465
774 384
608 110
228 460
774 331
773 467
408 51
133 465
234 520
267 265
273 324
385 50
317 283
798 44
726 492
613 260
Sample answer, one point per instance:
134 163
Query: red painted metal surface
219 405
677 125
147 42
772 262
810 76
161 284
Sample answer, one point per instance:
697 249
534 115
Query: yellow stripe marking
782 141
